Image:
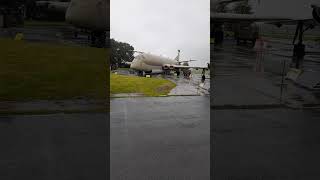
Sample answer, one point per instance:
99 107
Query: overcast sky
163 26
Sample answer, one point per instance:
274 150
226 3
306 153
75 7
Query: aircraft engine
316 13
166 67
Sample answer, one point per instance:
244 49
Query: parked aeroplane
92 15
303 23
217 19
148 63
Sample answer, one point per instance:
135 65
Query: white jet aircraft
302 22
92 15
146 63
217 19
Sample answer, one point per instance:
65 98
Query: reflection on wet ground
160 137
53 146
242 78
190 86
254 137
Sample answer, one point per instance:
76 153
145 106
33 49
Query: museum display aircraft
147 63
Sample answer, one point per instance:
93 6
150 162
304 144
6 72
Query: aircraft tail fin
178 56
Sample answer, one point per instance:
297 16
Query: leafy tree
121 53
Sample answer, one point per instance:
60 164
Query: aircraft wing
188 67
293 22
314 18
61 6
231 17
54 5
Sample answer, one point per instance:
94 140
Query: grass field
39 71
147 86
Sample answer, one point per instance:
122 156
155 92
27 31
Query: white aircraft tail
178 57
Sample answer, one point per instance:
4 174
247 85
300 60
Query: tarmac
257 133
160 138
192 86
281 144
237 82
54 146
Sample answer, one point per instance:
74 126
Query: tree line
121 52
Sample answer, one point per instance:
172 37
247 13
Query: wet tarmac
160 138
240 78
192 86
53 106
56 146
254 137
266 144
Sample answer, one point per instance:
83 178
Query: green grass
40 71
147 86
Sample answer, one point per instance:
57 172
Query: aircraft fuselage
151 63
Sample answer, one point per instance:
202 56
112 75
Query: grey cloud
162 27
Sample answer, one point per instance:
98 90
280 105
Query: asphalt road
56 146
266 144
160 138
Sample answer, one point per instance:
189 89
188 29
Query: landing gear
238 41
298 54
299 49
75 34
98 39
140 73
217 33
203 77
166 71
186 73
218 37
178 73
147 73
